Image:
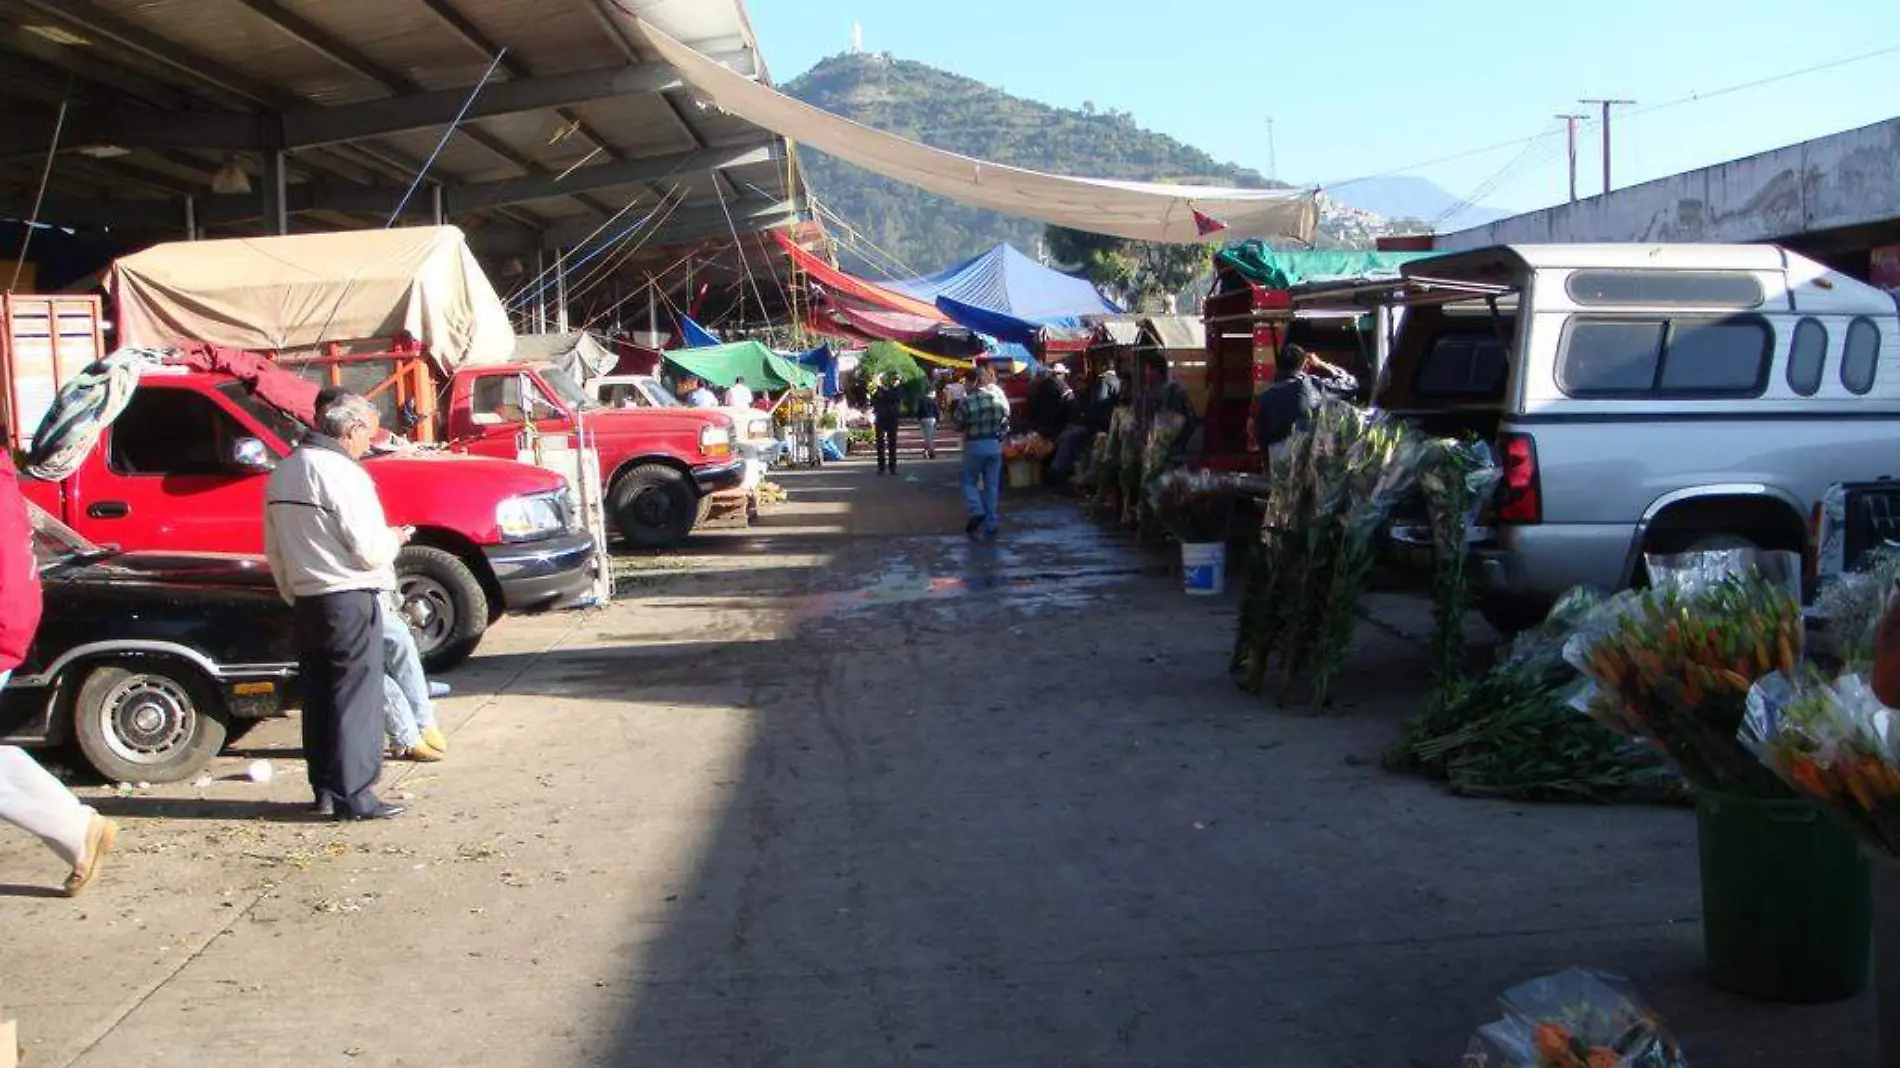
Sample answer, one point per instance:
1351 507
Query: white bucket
1204 568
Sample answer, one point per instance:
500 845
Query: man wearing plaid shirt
983 417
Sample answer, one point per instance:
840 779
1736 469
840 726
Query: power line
1634 112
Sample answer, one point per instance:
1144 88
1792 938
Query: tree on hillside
1143 275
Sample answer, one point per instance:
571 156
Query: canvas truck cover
298 292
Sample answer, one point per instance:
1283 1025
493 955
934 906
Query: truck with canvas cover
406 316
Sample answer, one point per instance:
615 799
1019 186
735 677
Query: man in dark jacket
887 407
30 797
1301 381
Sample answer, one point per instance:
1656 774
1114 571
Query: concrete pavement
845 789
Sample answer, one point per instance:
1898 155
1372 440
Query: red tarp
892 325
275 385
850 285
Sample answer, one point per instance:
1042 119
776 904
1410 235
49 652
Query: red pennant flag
1205 224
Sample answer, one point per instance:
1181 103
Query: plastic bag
1833 741
1574 1019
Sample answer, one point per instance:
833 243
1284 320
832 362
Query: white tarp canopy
298 292
1141 211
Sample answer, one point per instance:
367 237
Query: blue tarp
695 336
1008 295
821 360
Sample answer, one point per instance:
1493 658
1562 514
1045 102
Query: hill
1405 197
924 232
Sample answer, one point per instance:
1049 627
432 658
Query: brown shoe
99 835
421 753
435 739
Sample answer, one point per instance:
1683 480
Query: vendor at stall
1301 382
1161 392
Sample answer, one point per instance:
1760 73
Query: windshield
56 543
661 396
566 390
273 420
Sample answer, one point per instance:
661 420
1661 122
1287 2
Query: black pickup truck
149 661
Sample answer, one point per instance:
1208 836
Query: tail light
1520 499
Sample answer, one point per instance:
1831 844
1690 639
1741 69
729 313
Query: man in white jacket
333 556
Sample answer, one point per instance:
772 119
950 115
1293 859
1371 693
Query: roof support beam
214 209
691 223
313 126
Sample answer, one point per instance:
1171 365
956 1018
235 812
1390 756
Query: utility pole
1570 131
1606 105
1273 162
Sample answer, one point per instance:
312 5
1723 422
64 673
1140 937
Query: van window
1725 357
1671 357
1689 289
1463 365
1602 357
1807 357
1861 356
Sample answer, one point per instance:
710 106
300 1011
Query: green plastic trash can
1786 900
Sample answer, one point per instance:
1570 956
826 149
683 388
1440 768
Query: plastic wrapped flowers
1832 741
1672 665
1194 506
1027 447
1574 1019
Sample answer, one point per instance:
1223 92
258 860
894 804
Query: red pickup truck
183 467
660 466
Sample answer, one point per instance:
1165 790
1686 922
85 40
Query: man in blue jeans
983 418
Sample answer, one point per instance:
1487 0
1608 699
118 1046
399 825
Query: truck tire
147 721
444 604
654 507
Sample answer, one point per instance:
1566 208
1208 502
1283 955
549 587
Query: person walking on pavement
30 797
983 417
928 412
887 408
333 556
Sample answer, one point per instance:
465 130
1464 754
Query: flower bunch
1028 447
1673 667
1194 506
1832 741
1574 1019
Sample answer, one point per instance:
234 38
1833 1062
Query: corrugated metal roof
171 64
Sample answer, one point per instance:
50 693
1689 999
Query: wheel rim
429 611
653 508
147 719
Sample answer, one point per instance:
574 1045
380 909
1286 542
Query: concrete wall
1847 179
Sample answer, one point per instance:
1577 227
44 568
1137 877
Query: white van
1644 398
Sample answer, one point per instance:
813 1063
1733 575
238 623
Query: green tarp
721 365
1277 269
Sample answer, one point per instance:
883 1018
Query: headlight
761 428
528 518
715 440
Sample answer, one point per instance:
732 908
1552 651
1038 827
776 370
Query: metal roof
579 131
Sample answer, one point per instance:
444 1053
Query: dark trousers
886 446
340 659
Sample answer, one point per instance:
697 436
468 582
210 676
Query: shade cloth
1003 279
580 354
851 285
821 361
1142 211
1283 269
721 365
277 294
695 336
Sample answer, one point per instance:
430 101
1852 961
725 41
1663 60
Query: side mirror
249 454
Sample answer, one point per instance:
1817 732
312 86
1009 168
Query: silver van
1643 398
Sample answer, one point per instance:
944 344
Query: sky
1392 86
